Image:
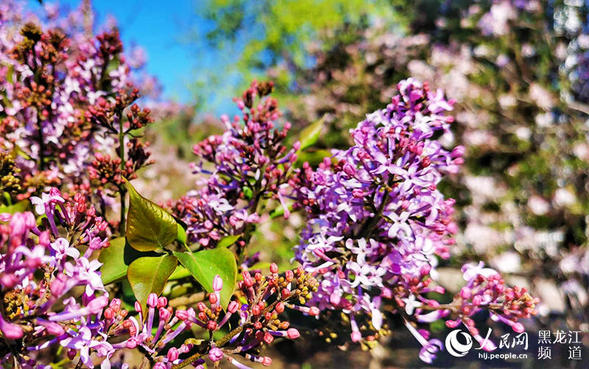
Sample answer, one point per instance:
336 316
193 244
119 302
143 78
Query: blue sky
162 28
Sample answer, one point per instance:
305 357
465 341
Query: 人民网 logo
455 347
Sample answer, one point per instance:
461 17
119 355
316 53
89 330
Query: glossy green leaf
228 241
309 136
113 261
149 227
179 273
205 265
149 275
116 258
181 234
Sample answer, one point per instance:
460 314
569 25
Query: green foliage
113 261
228 241
149 227
116 258
310 135
180 234
252 36
205 265
149 275
19 207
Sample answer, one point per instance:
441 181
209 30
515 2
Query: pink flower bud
8 280
452 323
517 327
215 354
335 298
233 306
18 226
293 333
268 338
266 361
44 239
115 304
465 293
247 279
217 283
314 311
458 151
182 314
52 328
162 302
173 354
152 300
289 275
131 343
58 285
95 306
165 314
356 336
109 313
10 330
452 228
273 268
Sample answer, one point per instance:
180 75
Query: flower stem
122 189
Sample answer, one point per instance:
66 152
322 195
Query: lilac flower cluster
68 305
485 289
247 165
50 76
376 219
41 268
376 205
255 316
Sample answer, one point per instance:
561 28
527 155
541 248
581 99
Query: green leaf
228 241
116 258
10 74
19 207
149 275
113 261
181 234
205 265
309 136
179 273
279 211
20 152
149 227
247 192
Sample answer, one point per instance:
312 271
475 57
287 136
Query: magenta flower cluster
246 166
44 309
377 222
376 205
51 75
40 267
